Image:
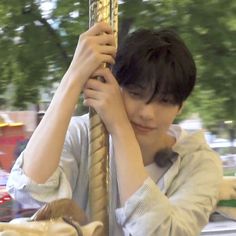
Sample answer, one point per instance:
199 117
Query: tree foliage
209 30
36 48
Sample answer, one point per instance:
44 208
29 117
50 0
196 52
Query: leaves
36 48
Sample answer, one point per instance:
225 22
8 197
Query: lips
142 129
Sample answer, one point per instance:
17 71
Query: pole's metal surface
99 10
114 19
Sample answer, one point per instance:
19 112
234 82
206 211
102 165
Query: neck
149 150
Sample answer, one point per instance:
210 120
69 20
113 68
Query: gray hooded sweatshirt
176 203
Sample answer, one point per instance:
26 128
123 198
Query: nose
147 112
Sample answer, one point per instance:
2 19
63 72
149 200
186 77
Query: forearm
131 173
42 154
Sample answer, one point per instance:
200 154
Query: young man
166 181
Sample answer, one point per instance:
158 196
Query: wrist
72 82
67 94
75 76
123 130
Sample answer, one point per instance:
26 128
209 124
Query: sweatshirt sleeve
61 183
33 195
184 209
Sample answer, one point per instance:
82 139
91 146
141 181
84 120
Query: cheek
171 117
166 117
130 107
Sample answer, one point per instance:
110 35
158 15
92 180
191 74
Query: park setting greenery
37 45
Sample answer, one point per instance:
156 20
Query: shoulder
198 167
78 129
195 153
79 123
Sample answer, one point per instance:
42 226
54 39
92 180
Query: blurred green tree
209 29
37 46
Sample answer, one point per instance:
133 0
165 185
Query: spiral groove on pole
100 10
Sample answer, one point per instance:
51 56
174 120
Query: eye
134 94
164 100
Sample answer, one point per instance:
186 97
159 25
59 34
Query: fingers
90 102
91 94
95 89
107 59
101 33
92 98
106 74
100 28
108 50
97 45
95 84
105 39
101 47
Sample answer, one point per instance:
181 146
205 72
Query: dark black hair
158 61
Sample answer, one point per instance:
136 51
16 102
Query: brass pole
114 18
99 10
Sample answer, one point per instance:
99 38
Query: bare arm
106 99
130 168
42 154
43 151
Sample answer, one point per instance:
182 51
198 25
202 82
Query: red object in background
10 135
9 208
4 196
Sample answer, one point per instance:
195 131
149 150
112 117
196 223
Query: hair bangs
161 78
158 63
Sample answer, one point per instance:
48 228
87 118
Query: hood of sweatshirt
186 142
193 151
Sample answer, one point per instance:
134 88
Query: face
151 120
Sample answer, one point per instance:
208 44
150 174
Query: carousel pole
99 10
114 19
